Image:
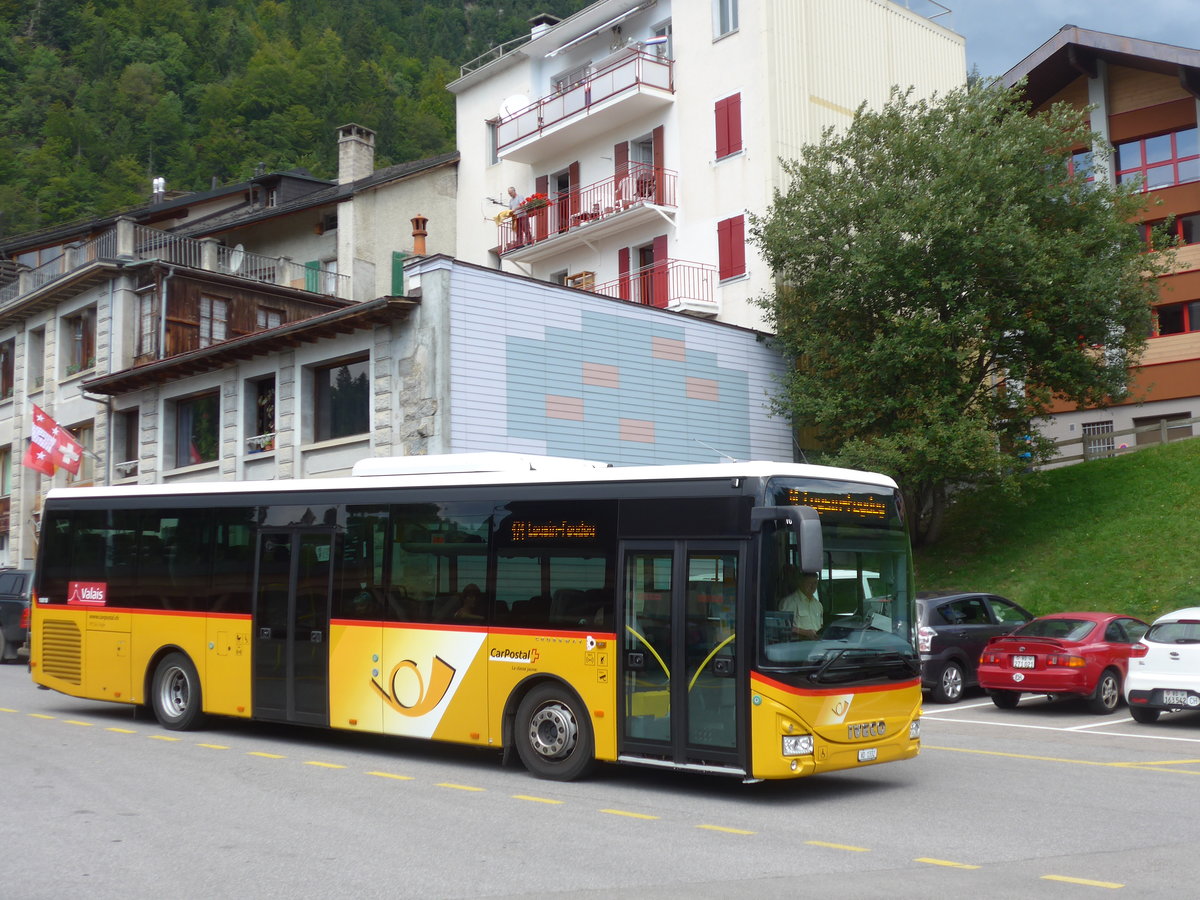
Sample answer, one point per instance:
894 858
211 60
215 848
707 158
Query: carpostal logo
513 656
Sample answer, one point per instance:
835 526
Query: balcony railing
630 73
640 185
128 240
671 282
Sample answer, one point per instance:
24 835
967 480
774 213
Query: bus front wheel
553 734
175 694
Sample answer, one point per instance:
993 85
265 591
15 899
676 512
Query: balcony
619 91
674 284
581 217
127 241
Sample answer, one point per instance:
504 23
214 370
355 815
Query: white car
1164 666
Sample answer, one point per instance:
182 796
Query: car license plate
868 755
1022 662
1179 698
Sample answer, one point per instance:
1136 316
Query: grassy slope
1117 534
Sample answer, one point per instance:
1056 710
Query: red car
1084 654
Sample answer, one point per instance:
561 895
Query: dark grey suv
15 585
954 626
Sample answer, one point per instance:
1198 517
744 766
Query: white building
654 127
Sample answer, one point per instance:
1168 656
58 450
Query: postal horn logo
427 699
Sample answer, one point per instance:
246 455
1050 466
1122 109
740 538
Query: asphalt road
1043 801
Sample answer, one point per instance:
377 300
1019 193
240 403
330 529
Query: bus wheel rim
553 731
175 692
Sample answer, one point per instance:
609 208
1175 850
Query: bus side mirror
805 523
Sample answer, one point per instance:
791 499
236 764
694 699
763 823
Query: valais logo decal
87 593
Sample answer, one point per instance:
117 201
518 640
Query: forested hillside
98 97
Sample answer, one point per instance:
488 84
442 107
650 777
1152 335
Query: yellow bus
560 611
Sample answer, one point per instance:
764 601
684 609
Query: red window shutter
661 287
623 273
659 155
729 125
621 159
722 117
731 247
573 178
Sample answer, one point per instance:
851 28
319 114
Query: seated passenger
472 604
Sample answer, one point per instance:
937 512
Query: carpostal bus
564 611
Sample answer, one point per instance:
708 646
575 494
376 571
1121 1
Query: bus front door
291 626
680 682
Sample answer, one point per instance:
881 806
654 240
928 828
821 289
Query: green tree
944 275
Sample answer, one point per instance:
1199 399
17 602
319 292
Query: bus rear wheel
553 735
175 694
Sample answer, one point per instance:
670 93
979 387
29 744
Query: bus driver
799 591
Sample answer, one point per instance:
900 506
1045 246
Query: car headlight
797 745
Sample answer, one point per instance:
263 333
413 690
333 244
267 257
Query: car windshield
1174 633
1062 629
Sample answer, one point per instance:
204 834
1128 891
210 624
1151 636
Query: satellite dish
513 105
236 258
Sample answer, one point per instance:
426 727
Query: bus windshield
852 622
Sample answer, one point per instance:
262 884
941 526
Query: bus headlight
797 745
914 729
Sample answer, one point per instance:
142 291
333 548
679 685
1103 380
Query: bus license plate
1177 698
868 755
1022 662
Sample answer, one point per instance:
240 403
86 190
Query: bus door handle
635 660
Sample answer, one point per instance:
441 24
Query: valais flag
51 445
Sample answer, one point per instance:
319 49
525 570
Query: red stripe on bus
822 692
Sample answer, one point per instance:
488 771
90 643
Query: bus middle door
291 626
680 686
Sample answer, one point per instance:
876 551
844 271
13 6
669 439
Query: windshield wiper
865 663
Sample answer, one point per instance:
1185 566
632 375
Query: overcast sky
1000 33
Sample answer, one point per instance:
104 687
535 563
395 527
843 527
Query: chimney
419 224
356 153
159 188
541 23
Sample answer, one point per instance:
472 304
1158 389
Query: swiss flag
52 445
38 459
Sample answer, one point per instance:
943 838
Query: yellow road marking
164 737
1152 767
324 765
1163 762
839 846
265 755
460 787
726 830
1087 881
77 722
390 775
121 730
631 815
6 709
39 716
213 746
944 862
535 799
